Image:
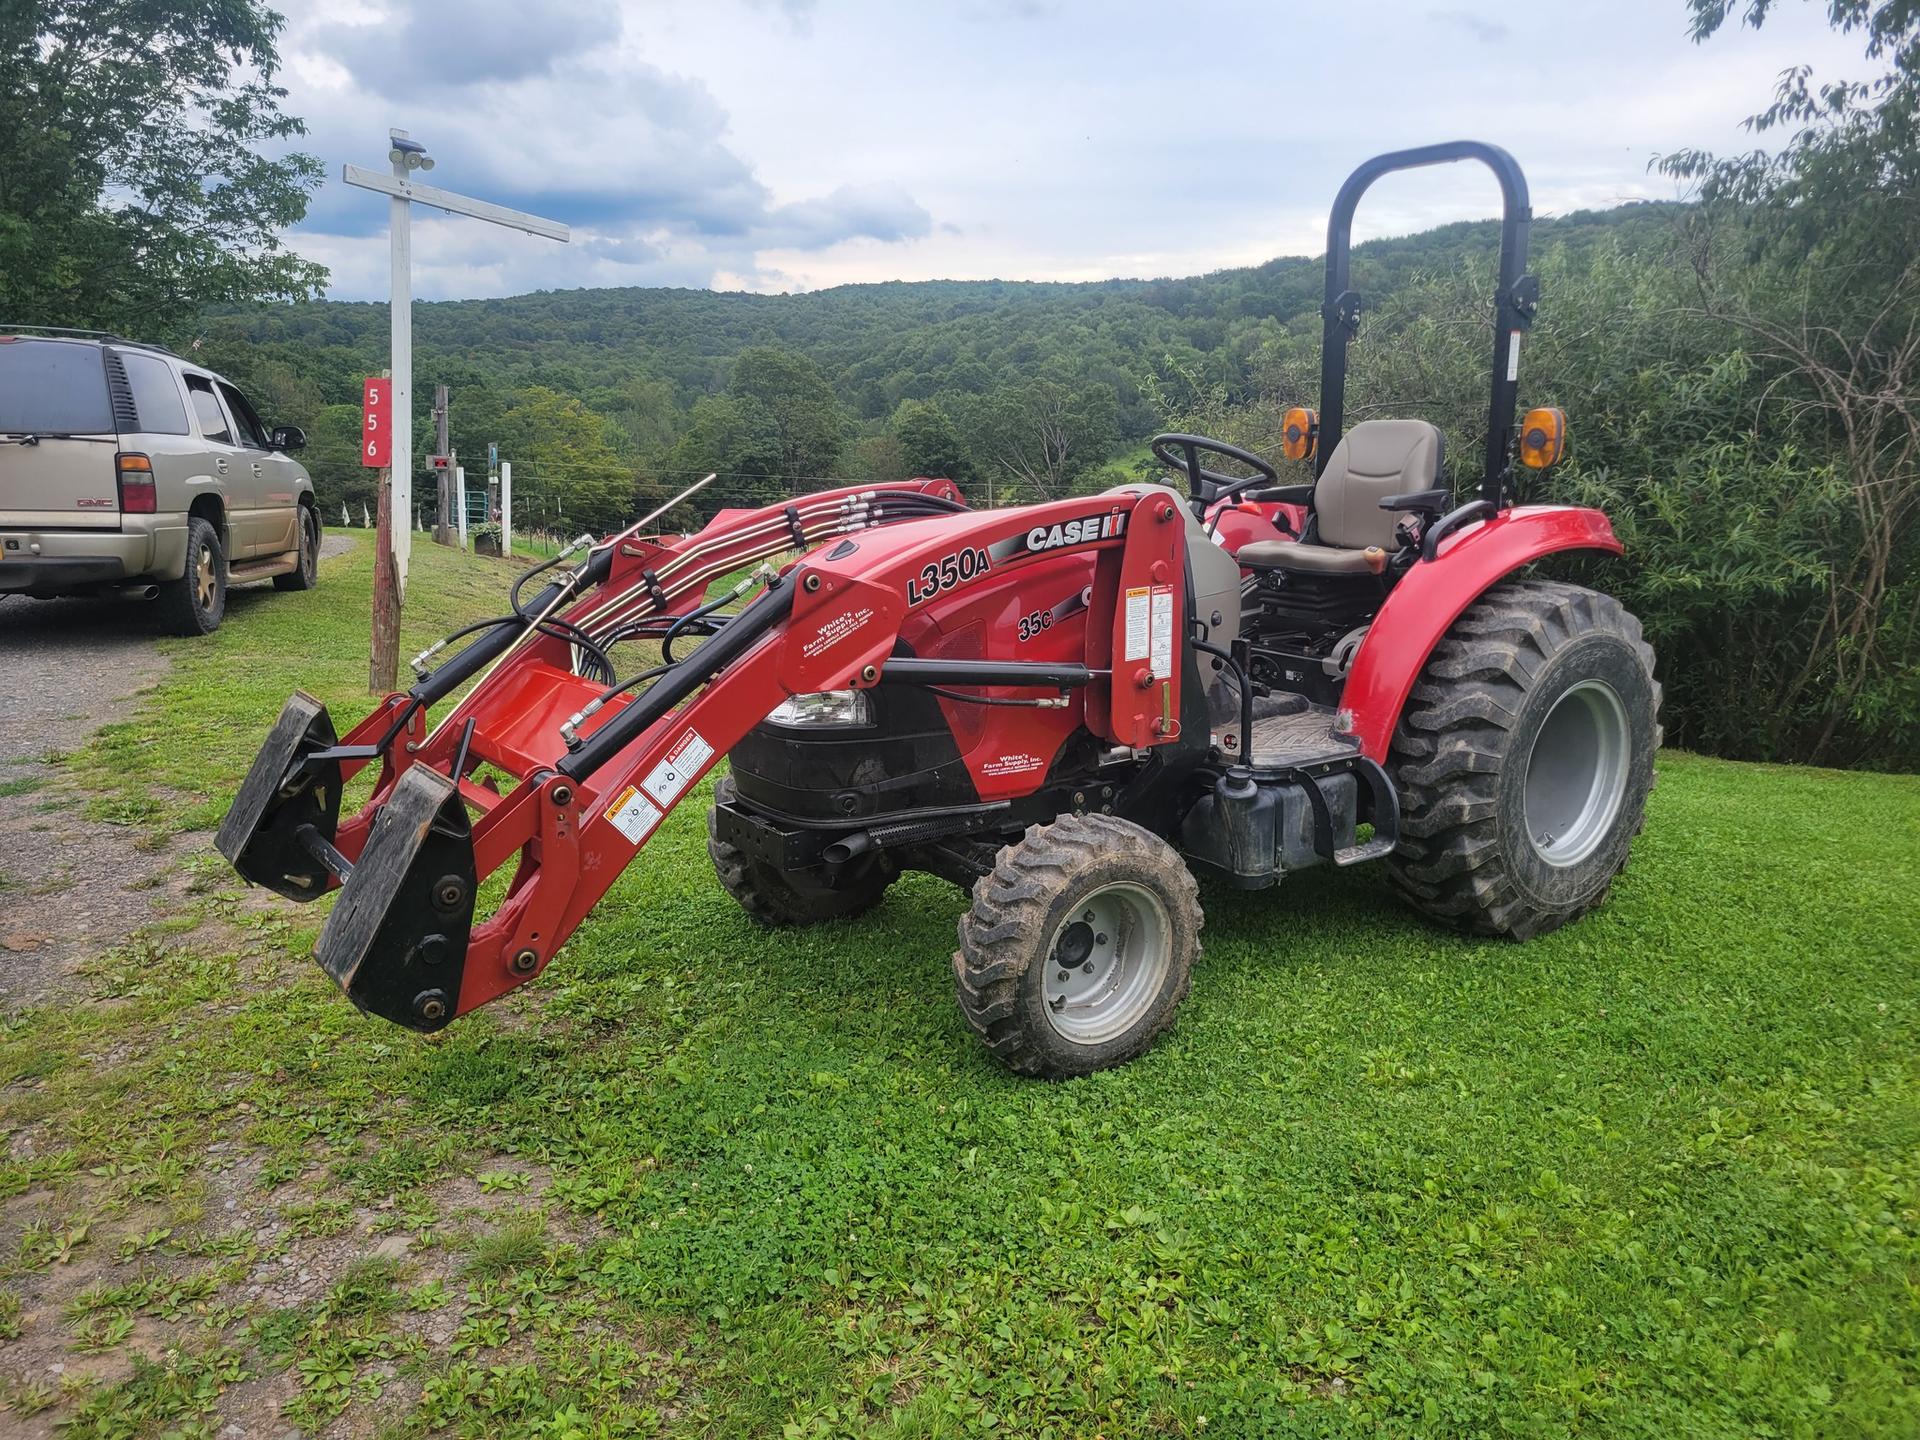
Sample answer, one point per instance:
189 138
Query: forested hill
644 379
882 343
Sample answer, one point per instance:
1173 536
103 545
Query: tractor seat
1349 533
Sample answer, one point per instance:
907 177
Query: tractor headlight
827 707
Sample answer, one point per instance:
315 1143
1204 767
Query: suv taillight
136 484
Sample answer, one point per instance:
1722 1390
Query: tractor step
1304 738
1298 800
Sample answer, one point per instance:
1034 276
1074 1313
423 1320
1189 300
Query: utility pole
442 528
395 538
493 484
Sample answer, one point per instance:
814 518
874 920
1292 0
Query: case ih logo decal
964 565
1077 532
1042 538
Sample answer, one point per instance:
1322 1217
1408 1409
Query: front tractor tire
1523 759
782 899
1079 946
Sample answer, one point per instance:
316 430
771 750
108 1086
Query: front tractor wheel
782 899
1523 759
1079 946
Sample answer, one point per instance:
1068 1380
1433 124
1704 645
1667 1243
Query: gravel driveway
71 886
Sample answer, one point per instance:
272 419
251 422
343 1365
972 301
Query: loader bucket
283 795
397 940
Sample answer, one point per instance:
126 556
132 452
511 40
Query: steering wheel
1206 487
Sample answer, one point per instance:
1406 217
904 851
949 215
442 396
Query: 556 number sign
376 425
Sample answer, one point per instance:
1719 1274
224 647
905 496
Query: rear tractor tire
1523 758
1079 946
781 899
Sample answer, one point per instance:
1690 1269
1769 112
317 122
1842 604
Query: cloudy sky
794 144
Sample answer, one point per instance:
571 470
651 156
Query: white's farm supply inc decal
1018 764
836 630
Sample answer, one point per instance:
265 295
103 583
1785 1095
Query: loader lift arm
596 765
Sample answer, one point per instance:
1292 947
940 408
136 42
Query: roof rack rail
76 333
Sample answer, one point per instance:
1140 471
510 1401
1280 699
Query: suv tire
307 574
195 603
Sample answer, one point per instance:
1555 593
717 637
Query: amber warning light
1543 437
1299 432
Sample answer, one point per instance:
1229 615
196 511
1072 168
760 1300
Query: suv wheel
195 603
306 575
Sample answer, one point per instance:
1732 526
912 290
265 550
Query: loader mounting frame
561 779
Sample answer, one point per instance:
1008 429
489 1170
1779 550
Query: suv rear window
155 397
53 387
206 409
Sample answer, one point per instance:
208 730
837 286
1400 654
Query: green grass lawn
1656 1175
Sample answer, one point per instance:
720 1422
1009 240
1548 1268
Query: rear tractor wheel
1079 946
1523 759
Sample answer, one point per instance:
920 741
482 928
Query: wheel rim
1577 773
1106 963
204 577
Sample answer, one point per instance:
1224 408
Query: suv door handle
256 467
220 464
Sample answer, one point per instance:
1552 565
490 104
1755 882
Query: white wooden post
460 500
400 339
506 508
408 156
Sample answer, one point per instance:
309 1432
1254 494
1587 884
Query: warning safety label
680 769
1162 632
1139 604
632 815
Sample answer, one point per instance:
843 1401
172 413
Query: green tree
930 442
735 440
647 417
563 465
332 457
1037 437
793 395
136 183
1806 260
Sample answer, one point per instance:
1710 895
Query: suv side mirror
288 437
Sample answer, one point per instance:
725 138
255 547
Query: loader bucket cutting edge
283 795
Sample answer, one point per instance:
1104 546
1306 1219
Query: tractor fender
1433 594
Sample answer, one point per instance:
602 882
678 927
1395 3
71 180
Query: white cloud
799 143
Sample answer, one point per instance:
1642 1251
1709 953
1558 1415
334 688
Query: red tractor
1060 707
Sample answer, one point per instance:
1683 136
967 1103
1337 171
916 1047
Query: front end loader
1067 708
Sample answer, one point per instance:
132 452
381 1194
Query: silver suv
124 467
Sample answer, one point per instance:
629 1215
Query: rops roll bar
1515 300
